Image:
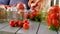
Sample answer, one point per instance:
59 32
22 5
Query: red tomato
26 21
31 16
49 21
12 23
21 6
54 15
33 7
19 23
26 26
55 22
34 13
7 6
51 10
56 8
28 15
59 15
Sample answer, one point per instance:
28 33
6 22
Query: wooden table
44 29
2 25
8 30
32 30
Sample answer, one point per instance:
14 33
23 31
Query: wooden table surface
2 25
6 29
44 29
32 30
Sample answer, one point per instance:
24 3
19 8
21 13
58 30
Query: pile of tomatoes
34 15
53 20
18 23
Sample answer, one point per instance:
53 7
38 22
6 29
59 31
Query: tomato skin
12 23
31 16
26 26
49 21
50 11
55 22
19 23
34 13
26 21
54 15
56 8
33 7
21 6
28 15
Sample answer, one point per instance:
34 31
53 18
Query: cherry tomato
50 12
56 8
19 23
31 16
26 26
55 22
34 13
12 23
21 6
28 15
54 15
33 7
26 21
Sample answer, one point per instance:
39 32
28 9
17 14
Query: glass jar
12 13
21 15
3 14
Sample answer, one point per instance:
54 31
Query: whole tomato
56 8
54 15
26 21
34 13
21 6
31 16
19 23
55 22
26 26
33 7
12 23
28 15
50 11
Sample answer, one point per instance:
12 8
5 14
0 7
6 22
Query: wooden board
2 25
44 29
31 30
9 30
